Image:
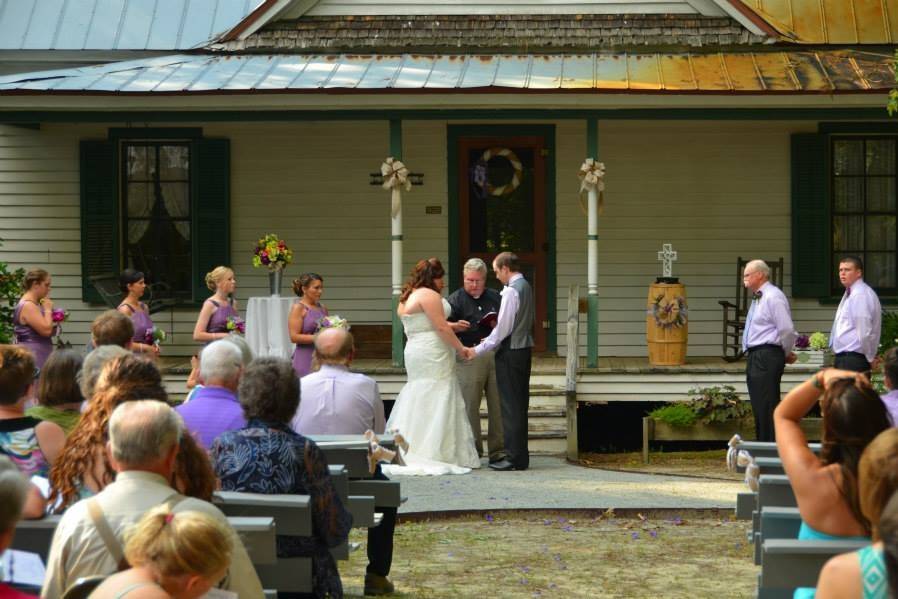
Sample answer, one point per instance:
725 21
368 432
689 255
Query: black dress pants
852 360
513 376
763 374
380 538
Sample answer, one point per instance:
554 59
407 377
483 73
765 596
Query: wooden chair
734 314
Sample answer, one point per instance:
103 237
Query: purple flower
634 535
489 517
653 534
802 342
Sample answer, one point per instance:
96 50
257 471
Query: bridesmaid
133 285
212 322
303 320
33 316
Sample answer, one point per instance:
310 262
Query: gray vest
522 330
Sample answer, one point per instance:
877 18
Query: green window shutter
99 214
810 216
211 210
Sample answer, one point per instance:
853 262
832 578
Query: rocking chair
159 296
734 314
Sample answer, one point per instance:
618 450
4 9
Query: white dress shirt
508 309
858 321
335 401
769 320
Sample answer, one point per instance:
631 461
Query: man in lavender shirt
767 339
214 408
336 401
855 334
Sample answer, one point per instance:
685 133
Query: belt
765 346
851 353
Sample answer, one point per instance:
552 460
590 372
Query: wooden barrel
667 324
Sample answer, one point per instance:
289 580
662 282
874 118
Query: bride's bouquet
332 322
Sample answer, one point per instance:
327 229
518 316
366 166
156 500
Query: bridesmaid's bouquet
332 322
59 315
236 324
155 336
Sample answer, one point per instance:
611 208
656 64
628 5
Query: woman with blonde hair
172 555
84 469
33 316
212 322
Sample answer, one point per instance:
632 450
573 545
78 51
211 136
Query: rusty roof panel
746 72
831 21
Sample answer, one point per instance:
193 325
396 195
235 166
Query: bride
430 410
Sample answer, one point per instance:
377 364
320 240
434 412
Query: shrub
819 341
888 338
674 414
10 291
707 405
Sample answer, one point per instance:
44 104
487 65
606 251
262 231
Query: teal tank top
806 533
873 573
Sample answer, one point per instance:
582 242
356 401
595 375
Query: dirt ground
543 554
704 464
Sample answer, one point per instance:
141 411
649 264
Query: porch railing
571 366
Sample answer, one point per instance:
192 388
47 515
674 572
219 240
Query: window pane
879 269
848 194
138 165
176 200
880 157
173 163
881 194
848 233
880 233
848 157
505 221
140 199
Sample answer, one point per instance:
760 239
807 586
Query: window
864 209
156 215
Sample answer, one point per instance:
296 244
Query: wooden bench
789 563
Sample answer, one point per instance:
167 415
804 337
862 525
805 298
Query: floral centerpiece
811 349
272 253
235 324
332 322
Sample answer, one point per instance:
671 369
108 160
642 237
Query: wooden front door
502 206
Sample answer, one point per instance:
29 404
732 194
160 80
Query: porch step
546 419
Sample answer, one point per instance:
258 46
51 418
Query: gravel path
552 483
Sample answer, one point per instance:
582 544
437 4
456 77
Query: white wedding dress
430 410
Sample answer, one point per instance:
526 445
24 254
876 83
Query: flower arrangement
802 342
818 341
59 315
332 322
236 324
272 253
155 336
669 312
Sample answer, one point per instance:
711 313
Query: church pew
776 523
789 563
292 513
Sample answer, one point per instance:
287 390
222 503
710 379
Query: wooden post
647 434
571 366
592 245
396 253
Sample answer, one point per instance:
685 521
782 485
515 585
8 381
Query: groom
514 338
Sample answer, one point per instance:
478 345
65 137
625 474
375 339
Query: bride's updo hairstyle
424 275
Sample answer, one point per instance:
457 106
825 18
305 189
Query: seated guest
93 365
336 401
214 409
193 379
132 284
143 446
15 493
890 376
32 318
860 574
112 328
171 555
58 394
33 445
268 457
826 487
84 467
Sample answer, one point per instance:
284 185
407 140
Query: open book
489 320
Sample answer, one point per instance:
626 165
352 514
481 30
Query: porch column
396 251
592 249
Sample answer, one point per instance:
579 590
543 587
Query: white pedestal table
266 326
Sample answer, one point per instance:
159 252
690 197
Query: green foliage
674 414
892 105
819 341
707 405
888 338
10 291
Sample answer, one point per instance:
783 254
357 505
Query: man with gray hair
767 340
474 311
214 408
144 437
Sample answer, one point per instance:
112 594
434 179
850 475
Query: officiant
474 312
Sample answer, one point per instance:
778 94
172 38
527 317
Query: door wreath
517 175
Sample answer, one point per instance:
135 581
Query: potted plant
812 350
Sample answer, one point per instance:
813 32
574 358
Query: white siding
715 190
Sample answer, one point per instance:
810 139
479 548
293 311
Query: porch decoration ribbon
592 177
395 178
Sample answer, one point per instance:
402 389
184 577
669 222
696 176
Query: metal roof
831 21
750 72
117 24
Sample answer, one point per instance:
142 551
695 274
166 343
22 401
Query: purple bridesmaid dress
218 322
39 345
143 324
302 356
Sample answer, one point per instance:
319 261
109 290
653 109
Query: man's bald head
334 346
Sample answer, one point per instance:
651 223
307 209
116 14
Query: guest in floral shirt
268 457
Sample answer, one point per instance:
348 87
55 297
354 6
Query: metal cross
667 256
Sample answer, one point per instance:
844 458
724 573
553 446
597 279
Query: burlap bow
592 177
395 178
